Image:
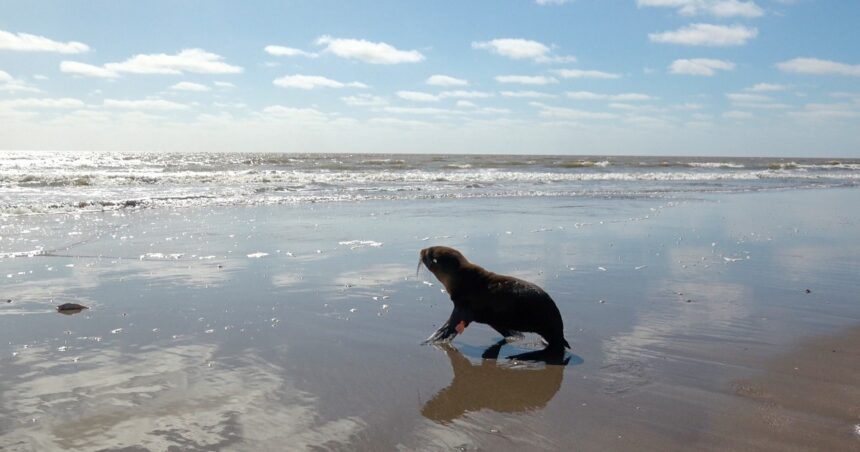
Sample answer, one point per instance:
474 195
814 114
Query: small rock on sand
71 307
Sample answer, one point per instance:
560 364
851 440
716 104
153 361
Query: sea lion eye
435 261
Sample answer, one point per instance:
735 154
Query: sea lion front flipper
456 324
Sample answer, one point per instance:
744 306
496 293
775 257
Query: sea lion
509 305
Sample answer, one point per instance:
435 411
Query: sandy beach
701 322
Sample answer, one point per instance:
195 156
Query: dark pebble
808 291
71 307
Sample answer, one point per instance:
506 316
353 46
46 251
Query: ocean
63 182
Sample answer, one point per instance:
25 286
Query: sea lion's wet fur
509 305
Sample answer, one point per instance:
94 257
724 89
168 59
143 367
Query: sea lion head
443 262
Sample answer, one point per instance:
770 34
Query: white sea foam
38 183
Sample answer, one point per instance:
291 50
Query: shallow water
275 327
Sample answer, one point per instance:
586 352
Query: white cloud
221 84
40 77
522 49
462 94
88 70
465 104
762 87
815 66
706 35
444 80
826 111
306 115
746 97
579 73
29 103
624 97
313 81
526 94
368 52
417 96
551 2
12 85
700 66
526 79
24 42
548 111
196 61
421 110
735 114
288 51
189 86
717 8
146 104
364 100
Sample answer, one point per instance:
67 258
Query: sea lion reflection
491 386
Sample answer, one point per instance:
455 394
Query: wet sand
273 328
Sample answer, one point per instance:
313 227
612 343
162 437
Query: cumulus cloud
706 35
549 111
746 97
25 42
522 49
444 80
11 84
87 70
288 51
189 86
526 79
364 100
34 103
417 96
735 114
221 84
815 66
761 87
196 61
305 115
716 8
313 81
526 94
707 67
368 52
625 97
579 73
145 104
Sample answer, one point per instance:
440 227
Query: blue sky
688 77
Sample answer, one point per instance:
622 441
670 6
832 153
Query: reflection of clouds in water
191 274
808 263
375 275
43 290
286 279
163 397
717 306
